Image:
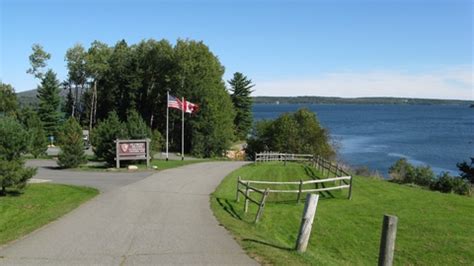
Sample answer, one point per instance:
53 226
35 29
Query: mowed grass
38 205
433 228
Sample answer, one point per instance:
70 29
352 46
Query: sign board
132 149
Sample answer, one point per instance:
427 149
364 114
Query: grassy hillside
433 228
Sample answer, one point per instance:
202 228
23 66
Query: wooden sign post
132 149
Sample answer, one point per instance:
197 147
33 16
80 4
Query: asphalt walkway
162 219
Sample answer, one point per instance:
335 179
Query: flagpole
167 120
182 127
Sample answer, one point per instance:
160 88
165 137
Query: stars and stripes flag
174 102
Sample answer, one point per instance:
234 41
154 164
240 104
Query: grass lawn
433 228
38 205
161 164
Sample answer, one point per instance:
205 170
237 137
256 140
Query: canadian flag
190 107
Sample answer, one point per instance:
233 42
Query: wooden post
299 191
387 242
307 222
237 196
350 188
247 194
262 205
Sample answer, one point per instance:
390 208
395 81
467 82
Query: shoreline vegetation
361 100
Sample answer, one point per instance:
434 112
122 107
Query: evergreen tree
72 145
104 135
241 89
8 101
136 126
49 100
13 142
38 140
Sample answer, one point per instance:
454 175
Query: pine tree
13 142
38 140
136 126
49 100
72 145
241 89
104 135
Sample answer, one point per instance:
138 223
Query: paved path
104 181
162 219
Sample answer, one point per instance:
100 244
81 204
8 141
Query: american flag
174 102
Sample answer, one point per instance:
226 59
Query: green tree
136 126
38 60
72 145
240 87
104 135
467 170
38 141
77 75
13 142
49 101
8 100
156 142
298 132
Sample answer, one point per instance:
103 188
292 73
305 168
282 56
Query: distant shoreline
362 100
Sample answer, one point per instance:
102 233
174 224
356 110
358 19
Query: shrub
13 142
72 145
449 184
104 135
402 171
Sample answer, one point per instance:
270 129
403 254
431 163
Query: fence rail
275 156
246 193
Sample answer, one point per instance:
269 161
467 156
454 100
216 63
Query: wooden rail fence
246 193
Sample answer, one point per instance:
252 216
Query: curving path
162 219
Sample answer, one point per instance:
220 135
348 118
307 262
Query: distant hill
363 100
27 98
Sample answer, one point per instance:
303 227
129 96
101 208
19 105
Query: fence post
299 191
237 196
307 222
247 193
350 189
262 205
387 242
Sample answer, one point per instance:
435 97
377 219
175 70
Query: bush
72 145
104 135
449 184
298 132
13 142
404 172
467 171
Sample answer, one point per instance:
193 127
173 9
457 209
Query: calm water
378 135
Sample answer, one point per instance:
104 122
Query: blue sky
332 48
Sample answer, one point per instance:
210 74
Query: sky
345 48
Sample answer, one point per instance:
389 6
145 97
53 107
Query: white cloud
449 83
